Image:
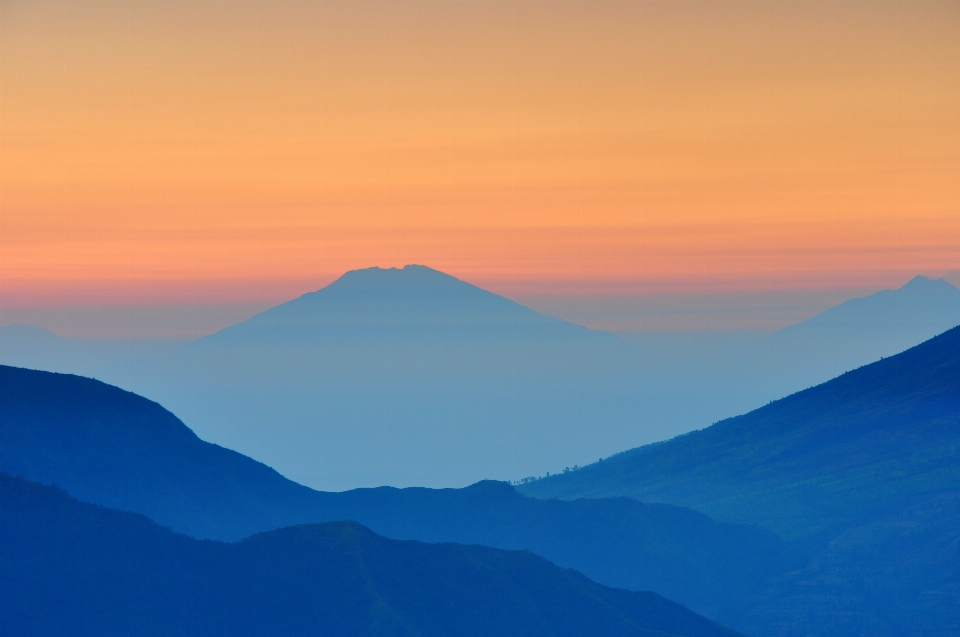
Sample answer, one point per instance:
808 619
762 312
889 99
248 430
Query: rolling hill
71 569
863 469
111 447
871 440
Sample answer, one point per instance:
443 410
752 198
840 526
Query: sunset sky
233 155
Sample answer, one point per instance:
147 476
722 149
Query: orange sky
244 152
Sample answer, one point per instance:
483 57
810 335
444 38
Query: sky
167 168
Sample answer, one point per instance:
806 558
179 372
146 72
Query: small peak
921 282
492 487
24 330
411 275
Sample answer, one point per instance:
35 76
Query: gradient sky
237 154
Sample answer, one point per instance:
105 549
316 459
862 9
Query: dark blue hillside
864 468
110 447
676 552
73 569
865 444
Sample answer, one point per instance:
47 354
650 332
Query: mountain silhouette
923 305
114 448
416 303
863 469
34 347
412 377
689 380
71 568
405 377
863 330
807 462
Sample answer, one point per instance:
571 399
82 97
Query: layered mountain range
410 377
114 448
864 470
858 475
71 568
833 511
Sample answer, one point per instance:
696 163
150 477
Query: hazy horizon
730 311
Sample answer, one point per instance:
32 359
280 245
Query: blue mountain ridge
863 469
73 569
114 448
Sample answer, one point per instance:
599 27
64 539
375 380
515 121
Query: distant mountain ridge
922 302
70 568
863 330
692 380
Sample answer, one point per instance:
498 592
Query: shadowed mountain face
870 440
70 568
865 468
114 448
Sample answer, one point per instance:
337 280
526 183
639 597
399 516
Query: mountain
71 568
862 331
893 319
858 445
415 303
689 380
28 338
406 377
37 348
114 448
413 377
864 469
